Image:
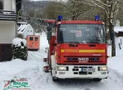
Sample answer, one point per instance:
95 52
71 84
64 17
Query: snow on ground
116 63
32 70
25 69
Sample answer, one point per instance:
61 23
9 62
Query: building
7 28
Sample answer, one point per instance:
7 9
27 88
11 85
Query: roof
81 22
75 22
118 29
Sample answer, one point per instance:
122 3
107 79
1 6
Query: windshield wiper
93 42
74 42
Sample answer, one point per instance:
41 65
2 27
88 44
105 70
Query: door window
36 38
31 38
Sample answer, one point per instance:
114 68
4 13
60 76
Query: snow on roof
118 29
22 27
17 41
25 29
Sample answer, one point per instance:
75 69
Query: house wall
9 5
7 31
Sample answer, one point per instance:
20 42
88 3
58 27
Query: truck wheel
97 79
55 79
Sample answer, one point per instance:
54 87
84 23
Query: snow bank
17 42
32 69
116 63
14 67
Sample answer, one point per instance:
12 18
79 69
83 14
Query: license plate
84 69
87 69
83 59
91 70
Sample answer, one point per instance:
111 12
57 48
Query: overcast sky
48 0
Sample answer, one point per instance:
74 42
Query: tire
97 79
55 79
25 58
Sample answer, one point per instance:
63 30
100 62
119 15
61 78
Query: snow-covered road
32 70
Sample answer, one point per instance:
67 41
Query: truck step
47 69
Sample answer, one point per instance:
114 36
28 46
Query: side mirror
55 44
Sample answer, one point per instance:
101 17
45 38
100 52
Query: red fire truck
78 49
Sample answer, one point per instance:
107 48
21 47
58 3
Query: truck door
36 42
30 42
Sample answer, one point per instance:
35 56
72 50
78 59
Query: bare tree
53 9
75 8
110 8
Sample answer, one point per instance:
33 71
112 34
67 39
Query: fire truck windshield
81 33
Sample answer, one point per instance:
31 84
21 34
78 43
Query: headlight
62 68
103 68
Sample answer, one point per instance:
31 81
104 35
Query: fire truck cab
78 50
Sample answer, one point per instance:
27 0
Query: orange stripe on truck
83 51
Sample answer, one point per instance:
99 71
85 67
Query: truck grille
83 70
87 59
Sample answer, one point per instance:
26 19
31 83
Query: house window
1 4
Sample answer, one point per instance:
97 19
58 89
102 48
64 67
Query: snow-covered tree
19 47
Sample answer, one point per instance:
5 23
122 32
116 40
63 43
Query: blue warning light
97 18
60 18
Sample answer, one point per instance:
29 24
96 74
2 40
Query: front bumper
80 71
